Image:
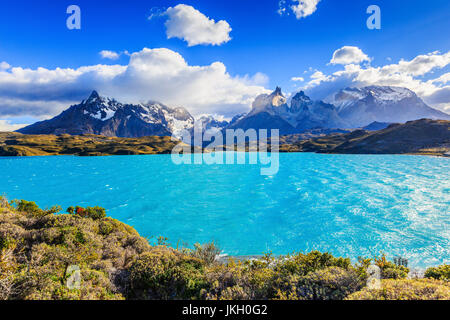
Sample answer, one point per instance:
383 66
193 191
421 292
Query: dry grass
17 144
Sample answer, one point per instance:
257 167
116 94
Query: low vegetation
17 144
421 137
40 249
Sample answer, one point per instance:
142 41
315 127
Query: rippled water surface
350 205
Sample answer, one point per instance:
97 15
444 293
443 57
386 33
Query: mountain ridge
372 107
108 117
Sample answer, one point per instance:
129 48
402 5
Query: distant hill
17 144
374 126
425 136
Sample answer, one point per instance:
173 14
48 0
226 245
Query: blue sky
33 34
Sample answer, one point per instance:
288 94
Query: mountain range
108 117
371 108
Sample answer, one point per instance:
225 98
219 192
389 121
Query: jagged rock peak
301 96
277 91
94 95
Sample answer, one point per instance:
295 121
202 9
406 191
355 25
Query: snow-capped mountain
273 112
268 112
349 108
305 114
106 116
212 124
361 106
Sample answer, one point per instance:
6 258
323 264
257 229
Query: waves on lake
350 205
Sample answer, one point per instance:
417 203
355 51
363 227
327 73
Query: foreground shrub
164 273
391 270
238 281
315 275
37 250
95 213
301 264
439 273
332 283
418 289
31 208
207 252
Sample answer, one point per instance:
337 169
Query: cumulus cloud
405 73
151 74
187 23
4 65
107 54
348 55
300 79
300 8
440 98
304 8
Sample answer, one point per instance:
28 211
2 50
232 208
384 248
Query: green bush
301 264
439 273
417 289
6 242
164 273
391 270
332 283
313 275
27 206
106 227
95 213
207 252
33 209
34 264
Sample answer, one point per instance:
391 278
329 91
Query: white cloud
151 74
317 77
444 79
297 79
348 55
106 54
300 8
4 66
304 8
282 7
403 74
6 126
189 24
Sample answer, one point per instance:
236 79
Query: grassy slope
427 137
37 247
17 144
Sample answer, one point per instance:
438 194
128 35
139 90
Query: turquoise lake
349 205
